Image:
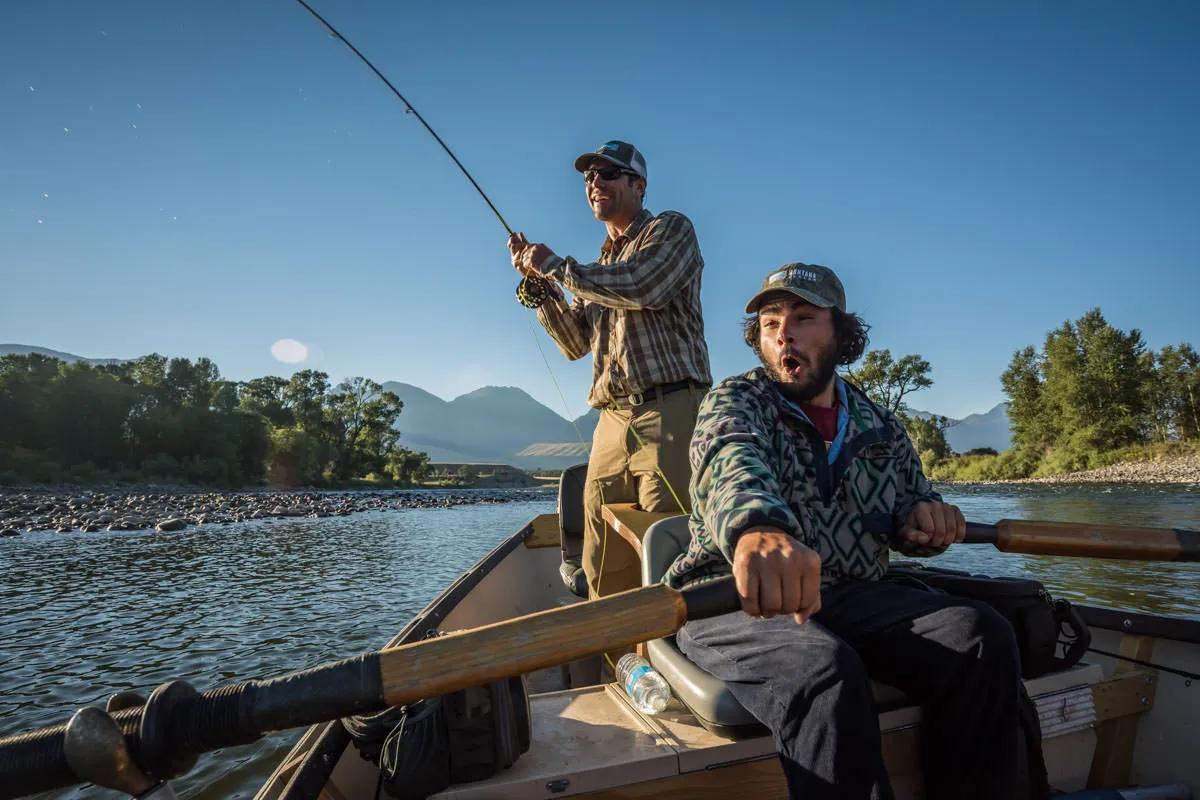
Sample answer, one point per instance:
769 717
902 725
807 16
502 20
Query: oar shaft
1088 541
514 647
177 724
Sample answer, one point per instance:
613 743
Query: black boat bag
423 747
1050 633
1051 636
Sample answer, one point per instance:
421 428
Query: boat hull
1109 721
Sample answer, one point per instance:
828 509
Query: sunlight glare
289 351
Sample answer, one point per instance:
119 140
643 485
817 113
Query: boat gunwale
314 770
1158 626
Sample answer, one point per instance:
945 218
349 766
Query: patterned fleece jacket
756 460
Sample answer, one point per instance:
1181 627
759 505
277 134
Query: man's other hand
516 248
934 525
775 574
527 256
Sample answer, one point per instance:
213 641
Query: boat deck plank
588 738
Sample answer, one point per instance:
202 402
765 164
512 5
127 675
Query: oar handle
1087 540
177 724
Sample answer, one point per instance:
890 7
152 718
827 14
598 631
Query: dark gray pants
808 684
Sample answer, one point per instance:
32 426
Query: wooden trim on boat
543 531
1125 694
632 522
1116 737
761 777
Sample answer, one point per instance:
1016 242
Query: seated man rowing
800 486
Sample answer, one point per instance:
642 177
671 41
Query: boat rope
1190 676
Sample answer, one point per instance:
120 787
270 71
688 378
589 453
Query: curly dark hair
849 331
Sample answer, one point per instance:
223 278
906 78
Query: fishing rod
532 291
408 107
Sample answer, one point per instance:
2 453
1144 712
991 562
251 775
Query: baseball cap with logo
812 282
621 154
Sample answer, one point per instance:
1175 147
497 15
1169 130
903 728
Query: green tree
928 435
268 396
305 396
1175 393
1033 427
362 418
1093 388
1094 383
407 466
293 458
887 381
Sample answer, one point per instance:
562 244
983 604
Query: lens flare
289 351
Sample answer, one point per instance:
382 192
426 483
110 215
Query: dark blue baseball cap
621 154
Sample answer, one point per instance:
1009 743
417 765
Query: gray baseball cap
621 154
812 282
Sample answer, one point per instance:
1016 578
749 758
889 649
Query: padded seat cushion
570 529
708 697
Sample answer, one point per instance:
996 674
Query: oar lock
97 751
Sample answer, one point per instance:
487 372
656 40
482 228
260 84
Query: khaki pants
633 450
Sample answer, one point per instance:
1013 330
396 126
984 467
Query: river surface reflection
84 615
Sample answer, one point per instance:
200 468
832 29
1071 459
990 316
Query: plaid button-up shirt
637 309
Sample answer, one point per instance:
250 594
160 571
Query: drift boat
1127 715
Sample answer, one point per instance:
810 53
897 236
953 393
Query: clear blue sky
206 178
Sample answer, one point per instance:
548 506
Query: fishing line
1191 676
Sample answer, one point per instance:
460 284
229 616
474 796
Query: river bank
75 510
1163 470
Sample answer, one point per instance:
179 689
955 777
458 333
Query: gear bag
1050 633
466 736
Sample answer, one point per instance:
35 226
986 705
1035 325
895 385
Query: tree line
177 420
1090 396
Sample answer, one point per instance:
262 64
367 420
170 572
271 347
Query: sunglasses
607 173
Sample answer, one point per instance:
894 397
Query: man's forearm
566 327
646 280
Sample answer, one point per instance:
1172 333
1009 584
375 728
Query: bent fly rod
532 291
408 107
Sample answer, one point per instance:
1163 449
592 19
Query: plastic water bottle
647 689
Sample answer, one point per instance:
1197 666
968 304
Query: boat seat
708 698
570 529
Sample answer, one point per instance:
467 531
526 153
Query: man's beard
816 376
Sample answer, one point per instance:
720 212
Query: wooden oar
176 724
1087 541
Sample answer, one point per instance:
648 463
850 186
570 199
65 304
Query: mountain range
504 424
26 349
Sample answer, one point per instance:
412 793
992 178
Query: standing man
637 311
801 485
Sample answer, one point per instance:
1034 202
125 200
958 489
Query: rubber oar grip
1087 541
177 724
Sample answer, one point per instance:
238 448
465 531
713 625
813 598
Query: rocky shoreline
162 511
1173 470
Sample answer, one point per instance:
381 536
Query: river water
85 615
